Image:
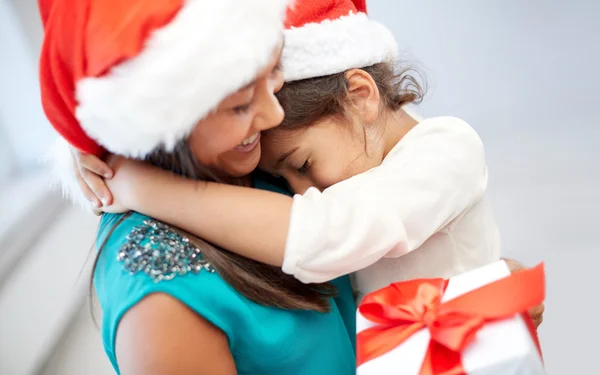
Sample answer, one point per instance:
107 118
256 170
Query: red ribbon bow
404 308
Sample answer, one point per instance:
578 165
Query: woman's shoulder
139 254
143 246
139 257
264 181
145 260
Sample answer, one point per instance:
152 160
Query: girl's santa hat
325 37
129 76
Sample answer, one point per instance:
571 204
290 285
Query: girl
377 190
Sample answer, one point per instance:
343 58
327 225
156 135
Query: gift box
475 323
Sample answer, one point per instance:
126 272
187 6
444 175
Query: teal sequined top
143 256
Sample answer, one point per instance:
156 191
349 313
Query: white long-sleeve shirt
421 213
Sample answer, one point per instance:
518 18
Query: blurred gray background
523 73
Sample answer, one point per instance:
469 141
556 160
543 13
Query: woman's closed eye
242 109
240 102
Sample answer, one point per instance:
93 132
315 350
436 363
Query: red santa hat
129 76
326 37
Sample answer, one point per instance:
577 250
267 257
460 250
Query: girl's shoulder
444 124
435 136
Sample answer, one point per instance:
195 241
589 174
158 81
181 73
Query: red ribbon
404 308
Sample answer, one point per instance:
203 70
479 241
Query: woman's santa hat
325 37
129 76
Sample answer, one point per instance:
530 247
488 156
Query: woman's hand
536 313
91 173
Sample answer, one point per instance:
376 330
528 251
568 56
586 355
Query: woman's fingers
537 314
96 184
513 265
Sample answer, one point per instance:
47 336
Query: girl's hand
536 313
126 184
90 172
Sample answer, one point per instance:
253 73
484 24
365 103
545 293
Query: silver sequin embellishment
161 253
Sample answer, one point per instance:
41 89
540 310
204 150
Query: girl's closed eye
304 168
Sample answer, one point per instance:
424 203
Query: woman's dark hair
261 283
307 101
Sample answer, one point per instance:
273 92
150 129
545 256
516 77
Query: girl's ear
363 95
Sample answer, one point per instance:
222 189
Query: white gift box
500 348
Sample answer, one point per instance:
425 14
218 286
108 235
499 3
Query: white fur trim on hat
333 46
207 52
63 173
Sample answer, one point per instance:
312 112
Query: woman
200 321
133 76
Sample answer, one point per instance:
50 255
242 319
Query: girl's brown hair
307 101
261 283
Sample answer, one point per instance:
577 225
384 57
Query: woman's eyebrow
232 99
247 86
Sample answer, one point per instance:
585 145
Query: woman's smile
249 143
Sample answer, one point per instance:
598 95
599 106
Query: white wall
80 351
5 155
21 115
44 290
526 75
43 248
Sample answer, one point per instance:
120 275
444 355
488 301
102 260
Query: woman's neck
238 181
396 126
246 181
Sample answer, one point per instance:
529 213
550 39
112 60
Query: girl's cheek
326 177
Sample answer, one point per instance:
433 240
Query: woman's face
228 140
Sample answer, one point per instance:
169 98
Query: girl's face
228 140
318 155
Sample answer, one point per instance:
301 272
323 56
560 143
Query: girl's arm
160 336
436 172
250 222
